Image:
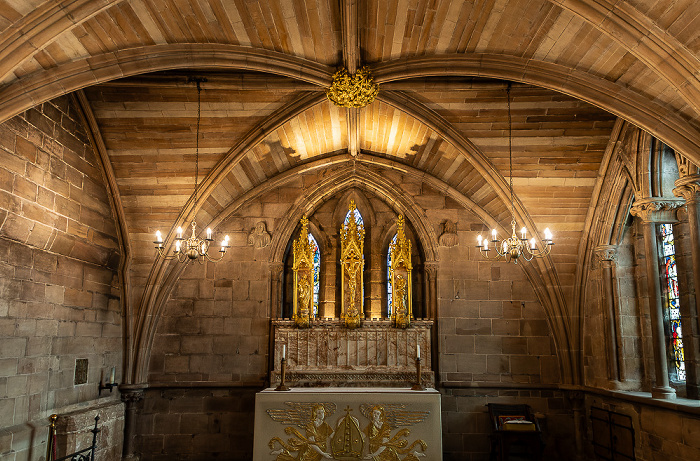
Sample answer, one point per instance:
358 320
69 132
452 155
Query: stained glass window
388 276
358 217
317 270
672 314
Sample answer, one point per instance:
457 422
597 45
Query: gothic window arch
389 288
358 217
317 244
316 271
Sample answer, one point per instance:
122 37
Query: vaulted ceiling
442 66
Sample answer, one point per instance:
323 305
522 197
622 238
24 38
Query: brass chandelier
193 248
513 247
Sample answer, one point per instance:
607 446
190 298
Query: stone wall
665 431
196 423
59 295
466 421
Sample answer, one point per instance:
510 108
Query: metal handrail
86 454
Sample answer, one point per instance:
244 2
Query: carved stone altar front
347 424
374 354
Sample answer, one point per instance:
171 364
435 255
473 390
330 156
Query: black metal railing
86 454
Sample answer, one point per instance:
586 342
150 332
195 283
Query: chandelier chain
196 152
514 248
510 156
193 248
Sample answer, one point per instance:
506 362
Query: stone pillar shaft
654 211
606 253
131 395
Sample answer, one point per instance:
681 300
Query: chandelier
193 248
514 247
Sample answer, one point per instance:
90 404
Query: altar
347 424
320 405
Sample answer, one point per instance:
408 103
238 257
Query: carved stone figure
448 238
259 237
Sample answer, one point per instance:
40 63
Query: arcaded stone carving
448 238
259 237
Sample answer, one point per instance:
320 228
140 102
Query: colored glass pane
358 217
388 276
671 297
317 269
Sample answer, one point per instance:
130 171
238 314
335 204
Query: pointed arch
661 121
45 85
359 176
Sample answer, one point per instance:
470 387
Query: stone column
276 301
688 187
130 394
606 255
431 313
431 295
654 211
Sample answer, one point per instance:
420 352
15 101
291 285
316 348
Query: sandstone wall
59 297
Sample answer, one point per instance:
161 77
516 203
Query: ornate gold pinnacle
357 90
303 278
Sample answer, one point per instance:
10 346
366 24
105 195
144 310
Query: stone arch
642 37
37 29
363 206
347 177
45 85
612 97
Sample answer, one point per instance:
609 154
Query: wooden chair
516 433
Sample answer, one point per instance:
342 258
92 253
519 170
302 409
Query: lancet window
672 313
388 275
316 269
358 218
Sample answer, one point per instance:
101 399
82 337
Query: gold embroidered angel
383 420
312 445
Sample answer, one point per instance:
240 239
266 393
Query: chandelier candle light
193 248
514 247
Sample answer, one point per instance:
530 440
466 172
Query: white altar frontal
312 424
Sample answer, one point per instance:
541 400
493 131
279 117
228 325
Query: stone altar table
347 424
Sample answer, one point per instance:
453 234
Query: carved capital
431 269
131 394
657 209
606 253
276 269
688 187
